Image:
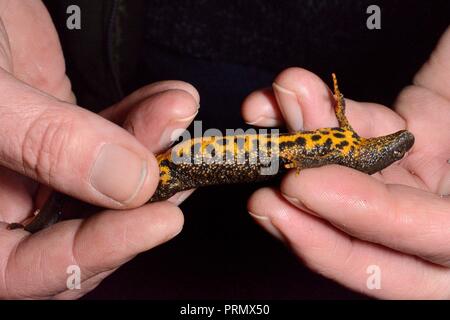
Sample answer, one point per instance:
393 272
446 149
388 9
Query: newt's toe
15 225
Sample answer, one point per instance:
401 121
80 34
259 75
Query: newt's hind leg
294 165
339 107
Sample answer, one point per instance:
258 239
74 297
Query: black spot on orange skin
342 144
300 141
316 137
165 163
288 144
324 132
339 129
339 135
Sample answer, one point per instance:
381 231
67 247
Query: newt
248 158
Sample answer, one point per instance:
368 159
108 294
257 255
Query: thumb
71 149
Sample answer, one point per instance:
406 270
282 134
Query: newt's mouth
404 142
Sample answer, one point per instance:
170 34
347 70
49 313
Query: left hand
340 221
36 94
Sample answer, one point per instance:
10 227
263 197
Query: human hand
48 139
340 221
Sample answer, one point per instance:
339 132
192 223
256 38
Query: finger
398 173
87 286
260 109
300 97
306 103
120 235
100 244
118 113
435 74
35 51
399 217
428 114
16 196
295 90
349 261
72 150
157 115
159 120
179 197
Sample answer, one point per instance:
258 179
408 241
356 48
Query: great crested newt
216 160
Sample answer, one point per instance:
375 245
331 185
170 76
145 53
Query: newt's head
378 153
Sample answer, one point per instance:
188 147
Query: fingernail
179 198
188 118
257 216
289 106
265 122
267 224
173 131
292 200
118 173
298 204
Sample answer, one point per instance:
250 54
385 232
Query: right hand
345 224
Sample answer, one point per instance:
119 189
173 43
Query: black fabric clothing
322 36
227 49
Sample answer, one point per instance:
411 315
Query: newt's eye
398 154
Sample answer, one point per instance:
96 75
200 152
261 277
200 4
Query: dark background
227 49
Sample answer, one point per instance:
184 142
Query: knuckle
44 144
62 89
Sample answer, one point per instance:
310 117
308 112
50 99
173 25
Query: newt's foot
294 165
339 108
291 165
15 225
